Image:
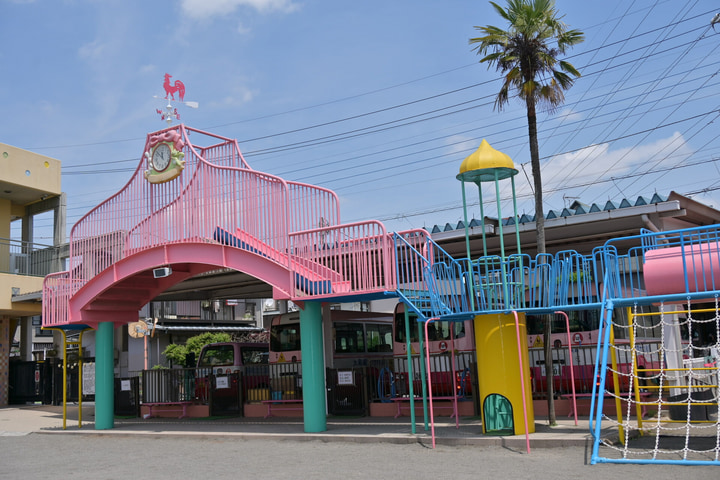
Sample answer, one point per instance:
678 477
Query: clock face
161 157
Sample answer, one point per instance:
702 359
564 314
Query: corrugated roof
577 208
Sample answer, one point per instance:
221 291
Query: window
378 337
580 321
436 330
349 338
285 338
221 355
254 355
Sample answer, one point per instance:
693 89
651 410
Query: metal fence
583 367
350 390
26 258
441 371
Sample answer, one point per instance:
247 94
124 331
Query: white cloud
242 29
600 161
567 114
203 9
92 51
240 95
461 144
598 172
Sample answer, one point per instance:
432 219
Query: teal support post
104 376
313 368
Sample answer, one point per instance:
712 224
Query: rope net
662 377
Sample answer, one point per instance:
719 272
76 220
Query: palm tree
527 56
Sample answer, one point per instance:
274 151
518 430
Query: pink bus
358 338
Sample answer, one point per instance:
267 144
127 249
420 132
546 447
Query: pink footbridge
215 212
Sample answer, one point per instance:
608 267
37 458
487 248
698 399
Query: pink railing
345 259
57 290
216 196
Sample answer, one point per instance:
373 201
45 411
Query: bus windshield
217 356
361 338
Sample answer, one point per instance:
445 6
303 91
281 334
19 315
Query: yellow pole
636 384
616 384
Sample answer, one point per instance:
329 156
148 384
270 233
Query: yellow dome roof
484 163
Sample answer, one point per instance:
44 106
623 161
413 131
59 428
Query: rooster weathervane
170 112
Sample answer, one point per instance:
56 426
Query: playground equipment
680 390
213 211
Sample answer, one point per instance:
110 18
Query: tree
180 354
527 54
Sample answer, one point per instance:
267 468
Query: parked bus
228 357
226 362
358 338
441 336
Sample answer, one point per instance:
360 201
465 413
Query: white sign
221 382
124 385
88 374
556 370
345 377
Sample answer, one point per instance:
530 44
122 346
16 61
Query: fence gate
347 391
226 394
32 382
127 396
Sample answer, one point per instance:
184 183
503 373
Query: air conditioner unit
162 272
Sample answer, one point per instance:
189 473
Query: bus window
253 355
436 330
580 321
400 328
349 338
285 338
378 337
220 355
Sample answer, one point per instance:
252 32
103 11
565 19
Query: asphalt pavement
46 419
34 445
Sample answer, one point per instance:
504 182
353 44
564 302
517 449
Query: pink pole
522 381
429 377
572 373
454 375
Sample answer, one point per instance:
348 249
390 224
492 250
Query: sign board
556 370
88 378
345 377
124 385
221 382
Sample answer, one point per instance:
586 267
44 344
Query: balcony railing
26 258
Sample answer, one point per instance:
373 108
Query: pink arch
117 293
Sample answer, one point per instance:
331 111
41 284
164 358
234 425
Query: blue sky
377 100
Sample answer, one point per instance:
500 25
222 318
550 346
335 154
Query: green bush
182 354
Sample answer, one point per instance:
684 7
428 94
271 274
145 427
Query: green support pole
104 376
471 287
313 368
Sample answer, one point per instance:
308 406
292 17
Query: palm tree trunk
537 179
540 232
